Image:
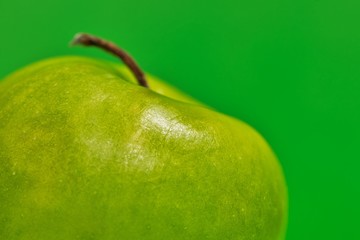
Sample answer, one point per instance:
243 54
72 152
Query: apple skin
86 153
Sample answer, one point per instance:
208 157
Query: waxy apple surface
86 153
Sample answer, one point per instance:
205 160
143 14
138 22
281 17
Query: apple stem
90 40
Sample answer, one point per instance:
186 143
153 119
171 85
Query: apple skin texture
86 153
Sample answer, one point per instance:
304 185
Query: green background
289 68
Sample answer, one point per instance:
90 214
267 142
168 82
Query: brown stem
90 40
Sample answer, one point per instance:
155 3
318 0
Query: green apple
87 153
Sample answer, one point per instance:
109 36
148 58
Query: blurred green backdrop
289 68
